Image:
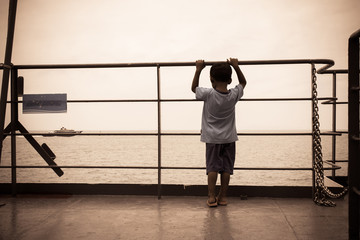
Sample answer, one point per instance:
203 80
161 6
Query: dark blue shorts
220 157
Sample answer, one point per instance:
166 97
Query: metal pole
159 130
14 120
329 63
7 67
334 124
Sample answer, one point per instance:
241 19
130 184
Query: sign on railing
45 103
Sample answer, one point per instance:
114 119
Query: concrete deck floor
53 217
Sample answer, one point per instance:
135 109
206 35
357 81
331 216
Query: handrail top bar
329 99
329 63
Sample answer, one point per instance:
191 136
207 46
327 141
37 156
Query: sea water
176 151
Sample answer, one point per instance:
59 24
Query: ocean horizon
176 151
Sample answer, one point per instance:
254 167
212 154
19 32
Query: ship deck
53 217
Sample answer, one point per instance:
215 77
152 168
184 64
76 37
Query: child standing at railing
218 128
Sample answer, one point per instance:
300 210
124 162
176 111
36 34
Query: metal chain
321 191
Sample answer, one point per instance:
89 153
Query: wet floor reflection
216 224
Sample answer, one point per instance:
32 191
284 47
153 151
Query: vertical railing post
6 71
14 120
159 129
333 145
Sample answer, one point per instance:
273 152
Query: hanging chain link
321 191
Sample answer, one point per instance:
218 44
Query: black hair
221 72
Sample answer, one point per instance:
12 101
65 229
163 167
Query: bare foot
211 202
221 201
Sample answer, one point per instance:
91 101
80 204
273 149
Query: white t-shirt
218 117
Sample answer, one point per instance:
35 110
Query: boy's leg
212 177
229 161
225 179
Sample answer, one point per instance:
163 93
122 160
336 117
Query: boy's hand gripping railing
320 190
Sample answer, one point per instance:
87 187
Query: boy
218 129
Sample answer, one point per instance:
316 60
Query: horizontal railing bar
187 100
334 166
336 161
241 134
329 63
262 134
331 133
334 102
47 134
171 134
343 132
69 166
119 100
336 71
286 99
249 168
166 168
105 101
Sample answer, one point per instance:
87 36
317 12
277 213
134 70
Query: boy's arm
200 64
235 64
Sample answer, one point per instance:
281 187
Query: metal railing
15 125
334 102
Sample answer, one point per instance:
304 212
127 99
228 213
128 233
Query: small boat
63 132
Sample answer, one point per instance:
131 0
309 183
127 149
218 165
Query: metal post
6 71
14 120
333 145
159 130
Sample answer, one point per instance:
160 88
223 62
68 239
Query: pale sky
110 31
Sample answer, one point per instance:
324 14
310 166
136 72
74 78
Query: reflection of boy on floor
218 129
